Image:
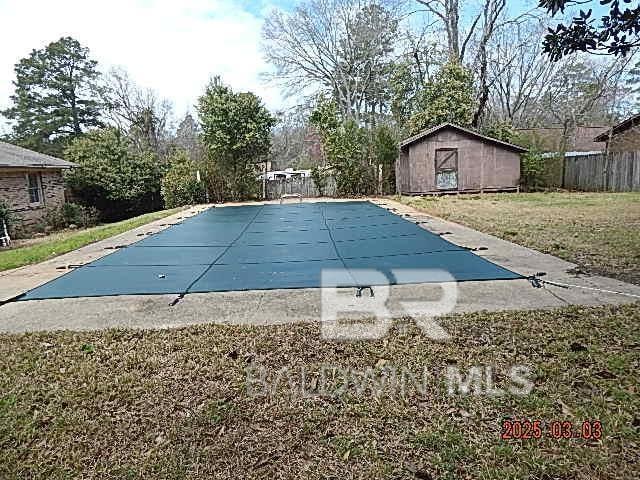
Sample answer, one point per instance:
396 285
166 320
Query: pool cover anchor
176 300
537 282
475 249
116 247
360 289
69 267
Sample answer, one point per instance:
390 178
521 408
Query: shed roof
17 157
431 131
619 128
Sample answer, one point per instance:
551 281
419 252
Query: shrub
52 219
348 151
319 178
8 216
180 186
502 131
347 148
75 214
553 171
532 169
71 214
385 153
112 176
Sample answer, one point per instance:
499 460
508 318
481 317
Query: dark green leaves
448 98
56 96
616 34
236 134
112 175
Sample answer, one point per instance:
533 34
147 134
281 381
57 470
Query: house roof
17 157
553 138
431 131
619 128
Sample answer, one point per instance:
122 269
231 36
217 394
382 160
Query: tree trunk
483 98
74 113
453 31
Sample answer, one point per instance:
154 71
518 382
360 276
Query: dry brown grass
176 403
598 231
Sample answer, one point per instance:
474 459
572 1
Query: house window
35 187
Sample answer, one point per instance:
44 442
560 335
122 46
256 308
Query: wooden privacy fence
616 172
304 186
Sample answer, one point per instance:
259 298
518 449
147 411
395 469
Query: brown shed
449 158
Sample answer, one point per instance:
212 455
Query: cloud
171 46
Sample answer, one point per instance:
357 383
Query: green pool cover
260 247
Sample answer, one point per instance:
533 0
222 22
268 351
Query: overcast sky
172 46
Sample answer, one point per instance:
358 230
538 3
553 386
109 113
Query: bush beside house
112 176
69 215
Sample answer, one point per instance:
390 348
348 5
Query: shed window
34 187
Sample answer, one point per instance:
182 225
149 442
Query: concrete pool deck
267 307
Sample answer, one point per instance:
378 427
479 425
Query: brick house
623 137
30 182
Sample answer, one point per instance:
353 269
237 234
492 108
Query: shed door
447 169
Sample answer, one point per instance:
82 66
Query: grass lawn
598 231
57 244
178 403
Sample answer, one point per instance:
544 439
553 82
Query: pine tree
188 137
56 96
